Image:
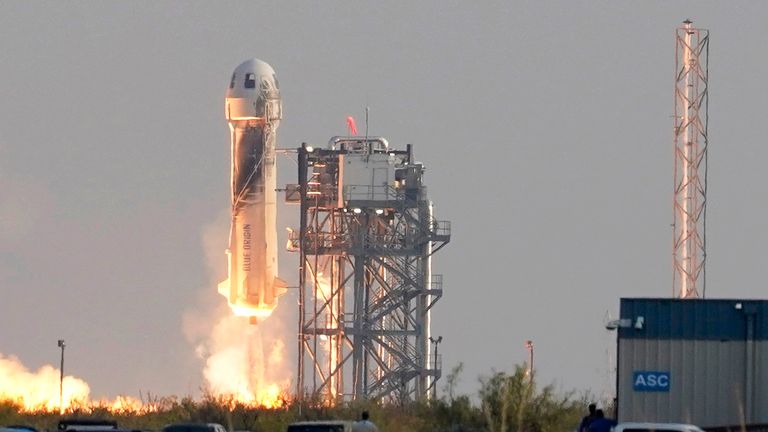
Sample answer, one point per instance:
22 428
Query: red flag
351 126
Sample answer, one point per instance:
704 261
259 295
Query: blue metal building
695 361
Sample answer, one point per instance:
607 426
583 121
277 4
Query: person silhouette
364 424
600 423
587 419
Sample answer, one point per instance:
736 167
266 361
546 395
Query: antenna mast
690 198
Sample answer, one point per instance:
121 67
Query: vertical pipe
749 370
316 291
342 325
357 340
333 324
616 399
302 172
61 378
366 324
434 383
423 317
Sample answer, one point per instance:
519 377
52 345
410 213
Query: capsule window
232 82
250 81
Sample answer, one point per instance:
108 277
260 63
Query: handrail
359 140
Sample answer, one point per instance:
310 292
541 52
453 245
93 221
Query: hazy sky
545 127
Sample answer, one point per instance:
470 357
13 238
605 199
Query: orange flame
239 367
39 390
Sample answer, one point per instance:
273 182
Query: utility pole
61 378
529 347
435 342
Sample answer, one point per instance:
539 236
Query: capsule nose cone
253 93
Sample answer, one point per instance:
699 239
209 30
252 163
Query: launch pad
366 239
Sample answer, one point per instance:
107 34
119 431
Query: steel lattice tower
365 282
690 197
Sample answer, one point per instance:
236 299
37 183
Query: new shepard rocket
253 109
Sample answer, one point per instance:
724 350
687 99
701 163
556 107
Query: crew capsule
253 93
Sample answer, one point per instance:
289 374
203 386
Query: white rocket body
253 109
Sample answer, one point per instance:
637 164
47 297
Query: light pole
529 346
61 378
435 342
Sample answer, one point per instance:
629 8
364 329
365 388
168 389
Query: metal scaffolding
366 239
690 197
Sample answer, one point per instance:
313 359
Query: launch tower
366 239
690 197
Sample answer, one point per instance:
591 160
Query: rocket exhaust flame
240 368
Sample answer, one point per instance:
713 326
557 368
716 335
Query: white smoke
240 359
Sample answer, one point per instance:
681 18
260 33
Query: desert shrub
513 403
507 403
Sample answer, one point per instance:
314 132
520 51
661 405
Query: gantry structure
690 194
366 290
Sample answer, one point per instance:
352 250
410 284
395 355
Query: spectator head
364 415
592 407
599 414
